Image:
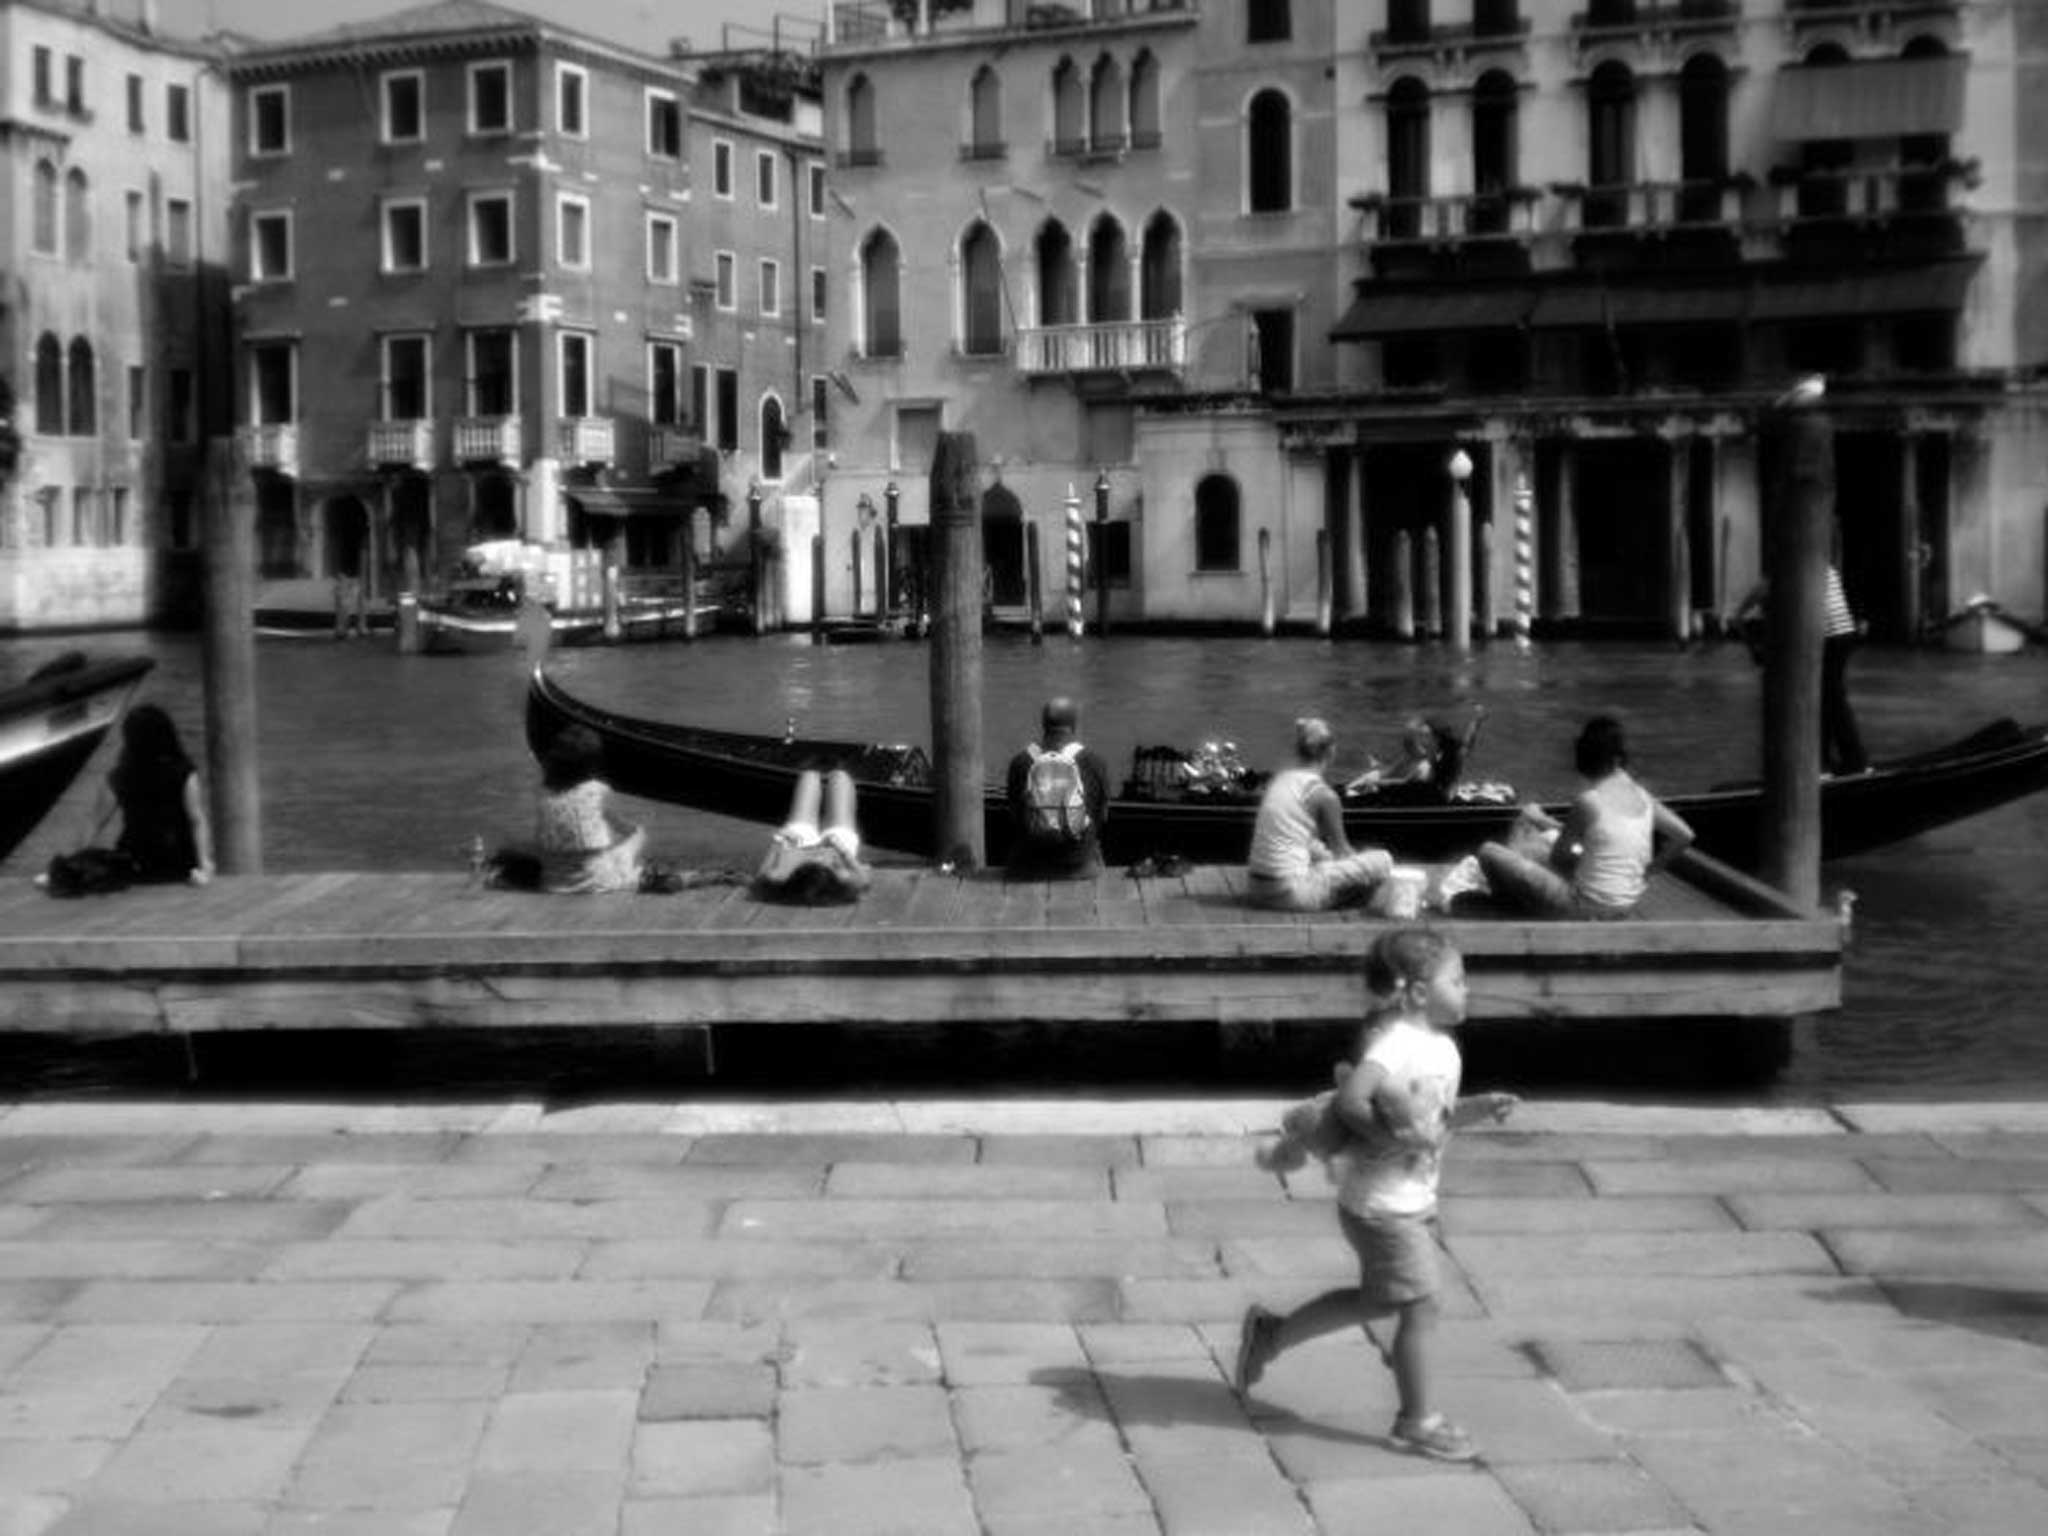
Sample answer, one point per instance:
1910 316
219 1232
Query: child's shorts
1397 1260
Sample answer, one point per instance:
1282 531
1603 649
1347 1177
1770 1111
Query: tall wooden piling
1033 577
958 830
1796 515
228 666
1403 572
1429 585
1268 614
1458 555
689 564
1323 601
817 589
1101 545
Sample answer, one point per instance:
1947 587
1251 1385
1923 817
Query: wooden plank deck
344 950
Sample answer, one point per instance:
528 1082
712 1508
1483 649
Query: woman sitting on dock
1301 860
1597 862
815 865
583 847
165 836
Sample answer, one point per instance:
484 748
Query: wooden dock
393 951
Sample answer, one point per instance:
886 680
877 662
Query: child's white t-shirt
1385 1176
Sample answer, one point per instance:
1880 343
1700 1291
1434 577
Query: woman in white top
1301 860
1600 858
583 847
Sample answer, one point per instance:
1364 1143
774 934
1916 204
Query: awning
1589 306
1934 288
1395 311
1870 99
629 501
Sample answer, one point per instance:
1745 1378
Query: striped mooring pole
1076 538
1525 561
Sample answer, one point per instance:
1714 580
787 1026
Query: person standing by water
1395 1107
1301 860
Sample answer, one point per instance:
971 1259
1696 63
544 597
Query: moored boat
49 727
751 777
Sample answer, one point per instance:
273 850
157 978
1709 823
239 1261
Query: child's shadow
1126 1398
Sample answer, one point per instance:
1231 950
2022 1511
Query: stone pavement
1001 1319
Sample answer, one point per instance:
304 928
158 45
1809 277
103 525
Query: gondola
49 727
751 777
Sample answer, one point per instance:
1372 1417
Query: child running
1383 1129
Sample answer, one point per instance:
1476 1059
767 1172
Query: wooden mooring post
1801 498
1033 583
958 830
228 666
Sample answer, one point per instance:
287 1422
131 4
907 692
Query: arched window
82 419
77 216
1702 137
985 112
1106 105
1159 270
1611 144
981 292
1145 101
1495 102
862 145
1217 535
45 198
1407 157
774 437
1109 273
1269 153
1069 110
49 386
1058 300
1266 21
881 303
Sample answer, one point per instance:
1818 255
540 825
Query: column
1678 535
1911 536
1506 458
1337 519
1564 578
1357 595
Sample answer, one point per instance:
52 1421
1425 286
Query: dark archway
494 509
277 527
345 534
1002 546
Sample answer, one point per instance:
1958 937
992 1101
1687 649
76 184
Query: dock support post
1429 586
1101 544
1032 583
1074 557
959 834
228 667
853 549
817 589
1525 561
1403 564
887 581
757 592
1323 604
1458 554
1268 617
689 564
1802 494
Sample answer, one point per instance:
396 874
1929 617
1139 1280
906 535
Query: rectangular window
178 403
490 98
405 235
138 225
917 436
1273 350
574 355
721 168
727 267
771 287
728 409
700 400
138 401
43 63
270 120
572 231
136 121
664 125
74 84
817 189
821 411
178 231
178 113
661 248
270 247
403 116
407 370
117 515
819 288
82 530
572 100
490 229
493 385
766 191
665 383
273 391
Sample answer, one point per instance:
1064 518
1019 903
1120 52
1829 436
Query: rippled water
377 761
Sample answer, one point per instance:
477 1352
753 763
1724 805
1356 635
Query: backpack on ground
1055 799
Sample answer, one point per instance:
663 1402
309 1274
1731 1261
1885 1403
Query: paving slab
1081 1481
733 1515
1839 1211
1055 1258
720 1390
925 1497
1614 1496
739 1257
1245 1495
817 1425
825 1353
539 1504
109 1517
703 1459
1467 1502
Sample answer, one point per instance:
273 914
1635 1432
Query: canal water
372 760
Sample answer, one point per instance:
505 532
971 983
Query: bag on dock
1055 803
89 872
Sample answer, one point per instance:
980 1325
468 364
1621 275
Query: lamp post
890 497
1458 554
756 580
1101 547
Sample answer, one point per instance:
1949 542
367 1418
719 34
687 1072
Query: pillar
1357 600
1911 535
1565 580
1678 537
1457 551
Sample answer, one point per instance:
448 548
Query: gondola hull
751 777
50 726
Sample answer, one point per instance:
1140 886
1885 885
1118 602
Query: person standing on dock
1058 793
1301 860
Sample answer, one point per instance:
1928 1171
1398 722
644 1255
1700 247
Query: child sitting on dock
583 847
1383 1131
810 863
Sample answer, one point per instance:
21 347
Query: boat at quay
50 726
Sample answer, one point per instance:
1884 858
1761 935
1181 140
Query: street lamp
1458 553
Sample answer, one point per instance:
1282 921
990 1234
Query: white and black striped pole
1525 561
1076 540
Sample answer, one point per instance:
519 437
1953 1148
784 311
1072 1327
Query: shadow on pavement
1166 1402
1997 1310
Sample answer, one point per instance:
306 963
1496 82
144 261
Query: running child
1383 1130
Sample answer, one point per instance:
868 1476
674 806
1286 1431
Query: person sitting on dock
165 835
1597 862
812 863
1301 860
1059 797
583 847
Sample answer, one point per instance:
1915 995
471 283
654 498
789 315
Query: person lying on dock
584 849
1598 861
812 863
1301 861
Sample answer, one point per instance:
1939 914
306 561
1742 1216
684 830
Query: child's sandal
1435 1436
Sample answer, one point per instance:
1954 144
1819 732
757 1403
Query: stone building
113 310
1263 271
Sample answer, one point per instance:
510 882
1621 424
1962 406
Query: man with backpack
1059 795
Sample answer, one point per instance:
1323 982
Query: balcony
1507 215
1653 207
868 23
489 440
1652 21
1882 22
1121 346
271 445
585 441
402 444
672 448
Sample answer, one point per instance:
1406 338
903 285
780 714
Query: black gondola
49 727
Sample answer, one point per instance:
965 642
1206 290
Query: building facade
113 311
1261 272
